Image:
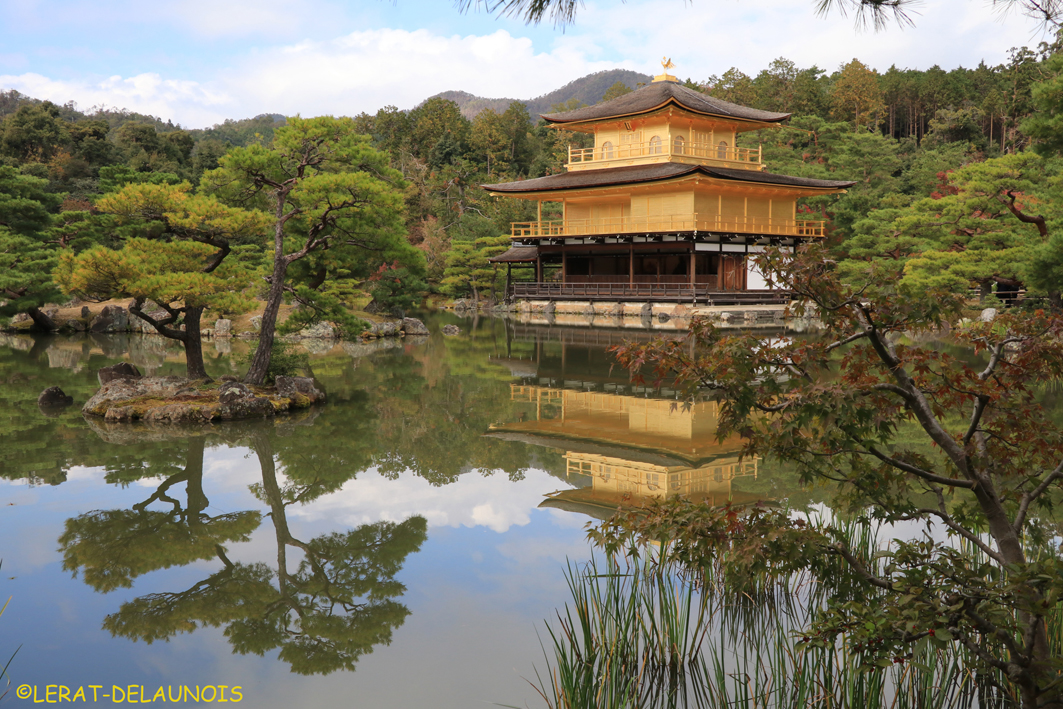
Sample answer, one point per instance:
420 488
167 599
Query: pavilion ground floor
649 270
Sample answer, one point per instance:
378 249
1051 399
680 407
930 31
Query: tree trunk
1055 300
194 344
985 289
40 320
260 362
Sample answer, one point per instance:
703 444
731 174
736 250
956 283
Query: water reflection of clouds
492 501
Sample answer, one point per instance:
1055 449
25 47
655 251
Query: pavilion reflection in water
633 449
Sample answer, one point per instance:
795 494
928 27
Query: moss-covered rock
176 400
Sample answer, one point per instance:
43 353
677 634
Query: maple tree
922 433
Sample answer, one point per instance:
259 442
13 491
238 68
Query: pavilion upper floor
665 122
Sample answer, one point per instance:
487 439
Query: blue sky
198 62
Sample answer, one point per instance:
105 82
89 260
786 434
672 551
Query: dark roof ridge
656 172
658 94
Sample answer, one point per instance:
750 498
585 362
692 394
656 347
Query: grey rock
256 323
223 328
246 407
176 413
388 328
321 331
233 391
122 370
296 387
451 330
119 414
85 312
20 317
54 398
988 315
117 391
52 311
663 317
111 319
413 326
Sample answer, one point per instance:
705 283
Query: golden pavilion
664 207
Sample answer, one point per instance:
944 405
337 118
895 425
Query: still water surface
399 547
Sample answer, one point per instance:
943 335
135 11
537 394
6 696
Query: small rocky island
125 396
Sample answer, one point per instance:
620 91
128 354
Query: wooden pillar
538 267
564 264
693 256
631 264
509 277
719 267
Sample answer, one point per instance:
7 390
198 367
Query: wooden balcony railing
627 151
671 223
677 292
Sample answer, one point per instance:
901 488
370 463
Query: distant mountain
589 89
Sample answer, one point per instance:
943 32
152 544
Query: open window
607 150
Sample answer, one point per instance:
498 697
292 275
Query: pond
399 547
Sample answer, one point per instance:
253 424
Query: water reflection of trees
326 602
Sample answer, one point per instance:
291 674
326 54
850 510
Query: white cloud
364 71
368 69
189 102
706 38
371 498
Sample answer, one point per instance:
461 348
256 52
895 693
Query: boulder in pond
451 330
223 328
54 398
300 390
111 319
122 370
413 326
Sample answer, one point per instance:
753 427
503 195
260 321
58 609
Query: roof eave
670 102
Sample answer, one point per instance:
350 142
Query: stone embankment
126 396
115 319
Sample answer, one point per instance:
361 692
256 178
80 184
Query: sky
198 62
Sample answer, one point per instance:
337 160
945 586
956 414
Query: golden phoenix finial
666 63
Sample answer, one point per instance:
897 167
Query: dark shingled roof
657 94
654 173
516 254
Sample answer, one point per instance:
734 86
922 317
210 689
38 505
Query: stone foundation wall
656 316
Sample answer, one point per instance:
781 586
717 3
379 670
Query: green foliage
1045 125
468 270
115 177
284 361
396 288
910 432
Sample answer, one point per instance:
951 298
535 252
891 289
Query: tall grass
5 679
639 634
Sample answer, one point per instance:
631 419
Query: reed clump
645 632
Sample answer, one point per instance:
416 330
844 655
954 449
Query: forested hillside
980 142
587 89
